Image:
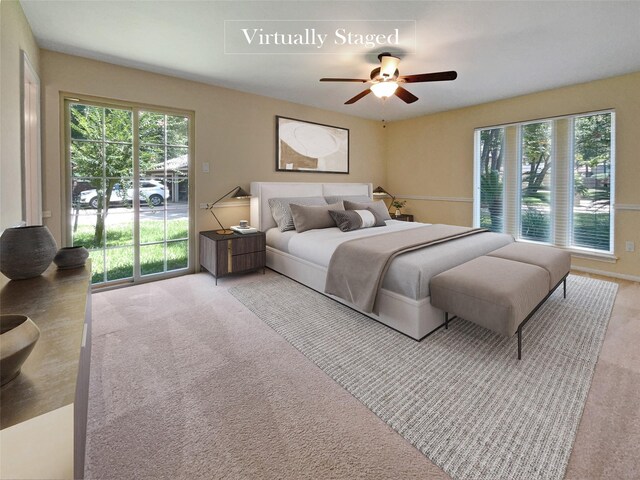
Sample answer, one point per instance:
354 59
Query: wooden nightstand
223 255
405 217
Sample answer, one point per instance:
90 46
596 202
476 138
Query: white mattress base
415 318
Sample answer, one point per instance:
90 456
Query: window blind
592 165
548 181
491 165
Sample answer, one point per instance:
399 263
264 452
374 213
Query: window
129 189
592 163
491 165
548 181
536 175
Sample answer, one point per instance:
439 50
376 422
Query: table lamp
381 192
235 192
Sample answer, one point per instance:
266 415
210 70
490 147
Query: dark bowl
71 257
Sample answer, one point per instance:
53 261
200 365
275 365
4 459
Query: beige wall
15 35
234 131
432 156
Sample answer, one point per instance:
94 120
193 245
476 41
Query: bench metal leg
564 283
522 324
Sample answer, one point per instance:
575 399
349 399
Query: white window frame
567 242
137 278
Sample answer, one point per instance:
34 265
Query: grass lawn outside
117 258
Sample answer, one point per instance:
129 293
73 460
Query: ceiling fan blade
362 94
343 80
429 77
405 95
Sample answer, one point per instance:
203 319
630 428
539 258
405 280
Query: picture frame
303 146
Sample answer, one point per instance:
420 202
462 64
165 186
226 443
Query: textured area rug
460 396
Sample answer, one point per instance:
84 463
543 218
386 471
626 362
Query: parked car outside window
152 192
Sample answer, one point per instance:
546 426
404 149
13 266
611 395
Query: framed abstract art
311 147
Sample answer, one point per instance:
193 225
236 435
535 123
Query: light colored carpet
460 396
187 383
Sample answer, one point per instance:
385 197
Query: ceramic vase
71 257
26 252
18 336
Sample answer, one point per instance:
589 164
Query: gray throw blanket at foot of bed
358 266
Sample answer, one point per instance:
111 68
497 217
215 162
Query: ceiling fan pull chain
384 102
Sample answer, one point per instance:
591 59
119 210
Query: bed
403 301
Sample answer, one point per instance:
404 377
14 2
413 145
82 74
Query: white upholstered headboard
261 192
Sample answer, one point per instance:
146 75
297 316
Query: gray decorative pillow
281 210
379 206
349 220
313 216
351 198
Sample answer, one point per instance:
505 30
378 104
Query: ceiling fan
386 78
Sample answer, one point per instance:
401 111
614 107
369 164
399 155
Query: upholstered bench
555 261
501 291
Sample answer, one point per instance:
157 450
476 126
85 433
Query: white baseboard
622 276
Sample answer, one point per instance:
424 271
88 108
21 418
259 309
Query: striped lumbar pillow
348 220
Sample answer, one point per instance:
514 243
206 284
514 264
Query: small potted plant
398 204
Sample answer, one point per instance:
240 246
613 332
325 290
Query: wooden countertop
57 302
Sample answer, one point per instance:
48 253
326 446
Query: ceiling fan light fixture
385 78
384 89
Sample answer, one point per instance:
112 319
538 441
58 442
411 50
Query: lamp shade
379 192
240 193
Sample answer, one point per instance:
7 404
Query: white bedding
408 274
317 246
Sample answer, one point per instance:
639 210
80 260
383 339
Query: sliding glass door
129 179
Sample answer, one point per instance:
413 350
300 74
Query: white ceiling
499 49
